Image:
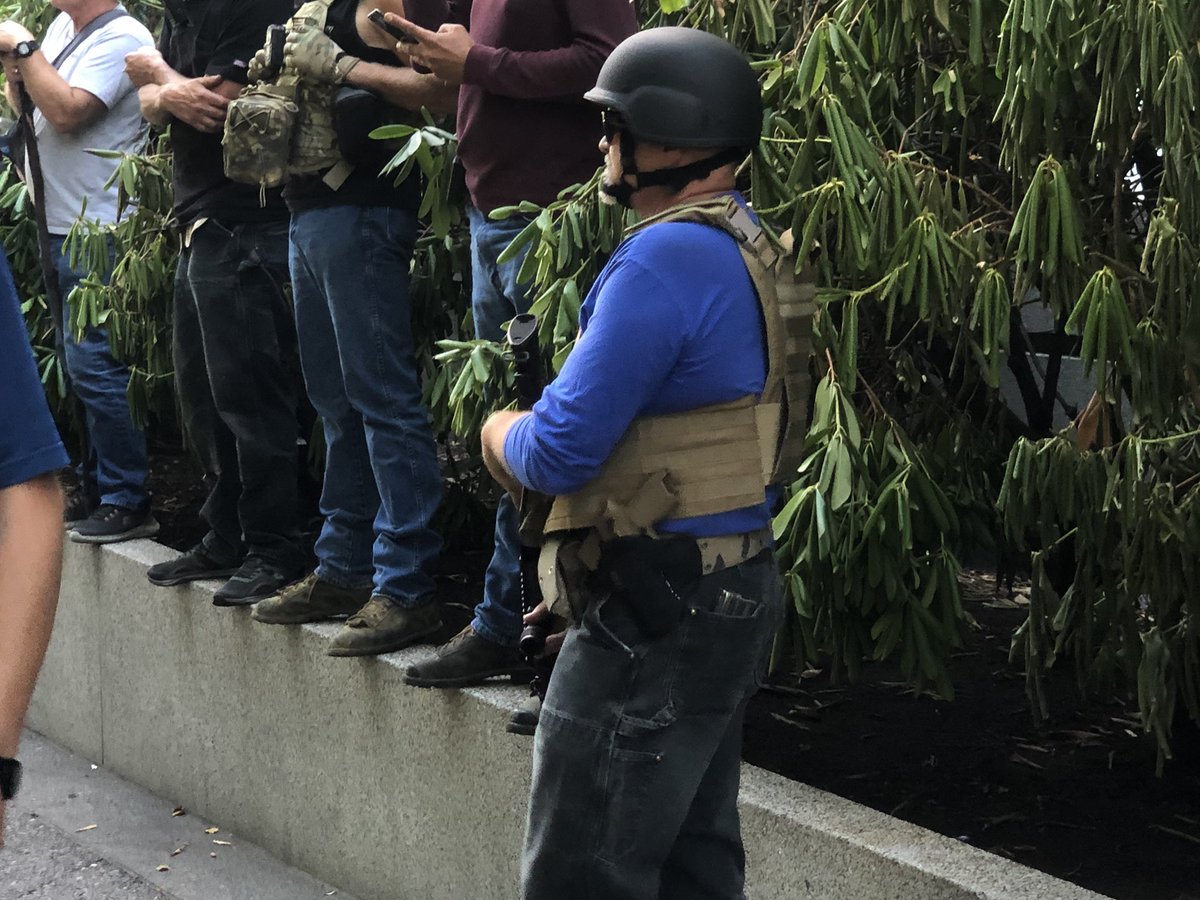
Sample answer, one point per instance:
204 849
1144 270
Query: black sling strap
55 301
86 32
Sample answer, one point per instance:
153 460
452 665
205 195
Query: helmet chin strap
622 192
676 178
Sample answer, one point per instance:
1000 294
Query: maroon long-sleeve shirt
524 130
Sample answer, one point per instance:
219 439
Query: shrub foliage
989 195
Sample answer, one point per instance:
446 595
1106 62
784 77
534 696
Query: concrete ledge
338 768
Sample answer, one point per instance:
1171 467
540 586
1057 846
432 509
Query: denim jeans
350 272
637 756
117 462
496 297
234 347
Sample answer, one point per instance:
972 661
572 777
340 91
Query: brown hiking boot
467 658
381 627
311 599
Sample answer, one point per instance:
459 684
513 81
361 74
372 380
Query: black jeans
235 371
637 757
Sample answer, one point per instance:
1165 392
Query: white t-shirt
98 67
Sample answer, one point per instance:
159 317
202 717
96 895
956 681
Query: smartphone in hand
377 19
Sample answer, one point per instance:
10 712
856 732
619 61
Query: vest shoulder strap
726 214
788 308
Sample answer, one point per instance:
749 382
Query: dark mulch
1077 797
178 493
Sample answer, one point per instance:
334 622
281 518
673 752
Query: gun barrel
527 360
522 330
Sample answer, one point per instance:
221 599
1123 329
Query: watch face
10 778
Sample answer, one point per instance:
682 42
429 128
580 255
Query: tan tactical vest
716 458
285 128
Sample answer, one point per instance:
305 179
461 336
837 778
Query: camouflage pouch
259 131
314 142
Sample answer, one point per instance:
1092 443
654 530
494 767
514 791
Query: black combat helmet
683 88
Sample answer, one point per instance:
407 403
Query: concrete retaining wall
338 768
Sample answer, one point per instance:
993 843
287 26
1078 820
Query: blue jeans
637 757
235 371
117 463
350 271
496 297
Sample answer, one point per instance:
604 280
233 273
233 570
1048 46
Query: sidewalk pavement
77 832
40 861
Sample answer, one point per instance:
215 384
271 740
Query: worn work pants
497 297
382 486
118 463
638 752
234 347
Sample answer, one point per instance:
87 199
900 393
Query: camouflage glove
317 58
258 65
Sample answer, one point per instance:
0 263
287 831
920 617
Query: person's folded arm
150 73
200 102
97 81
150 100
402 87
66 108
597 26
165 94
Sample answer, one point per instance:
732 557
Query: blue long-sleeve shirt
672 323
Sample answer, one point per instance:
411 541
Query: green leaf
392 132
941 11
783 520
842 477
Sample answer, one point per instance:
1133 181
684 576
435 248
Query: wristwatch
25 49
10 778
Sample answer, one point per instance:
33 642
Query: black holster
356 113
652 575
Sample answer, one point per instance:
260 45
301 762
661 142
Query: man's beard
615 191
